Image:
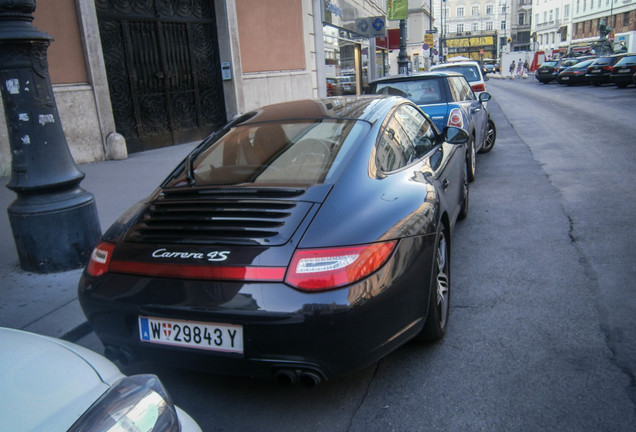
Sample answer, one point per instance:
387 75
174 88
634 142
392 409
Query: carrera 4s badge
210 256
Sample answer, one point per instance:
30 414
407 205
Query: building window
490 9
551 15
503 9
521 20
460 28
489 25
474 11
536 19
503 25
577 5
545 16
556 14
566 11
460 11
475 26
626 19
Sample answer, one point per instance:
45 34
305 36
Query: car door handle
445 184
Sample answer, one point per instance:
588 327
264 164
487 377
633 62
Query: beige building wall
79 83
271 52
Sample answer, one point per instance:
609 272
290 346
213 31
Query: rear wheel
439 302
491 136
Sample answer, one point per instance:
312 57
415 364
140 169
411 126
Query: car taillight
478 87
455 118
100 259
324 269
608 68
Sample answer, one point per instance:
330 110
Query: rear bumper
331 333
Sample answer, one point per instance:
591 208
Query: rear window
470 72
549 64
627 61
603 61
281 153
421 92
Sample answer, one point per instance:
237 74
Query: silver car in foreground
48 384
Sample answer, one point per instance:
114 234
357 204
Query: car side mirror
484 97
455 135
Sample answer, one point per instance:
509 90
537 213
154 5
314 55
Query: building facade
130 76
465 24
570 27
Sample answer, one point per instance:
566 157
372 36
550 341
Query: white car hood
45 383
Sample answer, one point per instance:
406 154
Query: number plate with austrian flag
192 334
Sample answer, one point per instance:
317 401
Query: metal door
163 70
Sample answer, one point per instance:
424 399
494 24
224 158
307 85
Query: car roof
365 107
456 63
415 76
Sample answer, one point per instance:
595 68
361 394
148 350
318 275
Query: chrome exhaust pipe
309 379
286 377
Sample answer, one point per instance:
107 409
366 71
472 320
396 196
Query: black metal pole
403 60
54 221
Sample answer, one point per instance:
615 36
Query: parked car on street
623 71
598 73
575 74
470 69
449 100
52 385
571 61
488 66
302 241
548 71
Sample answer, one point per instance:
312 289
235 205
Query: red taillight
100 259
478 87
608 68
455 118
324 269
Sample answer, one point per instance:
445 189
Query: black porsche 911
302 241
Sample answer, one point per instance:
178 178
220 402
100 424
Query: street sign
428 38
371 27
425 47
434 31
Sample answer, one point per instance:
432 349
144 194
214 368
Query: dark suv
599 72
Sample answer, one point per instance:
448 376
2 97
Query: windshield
300 152
421 92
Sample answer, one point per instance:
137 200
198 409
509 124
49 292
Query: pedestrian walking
520 69
512 69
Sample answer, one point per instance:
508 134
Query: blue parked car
448 99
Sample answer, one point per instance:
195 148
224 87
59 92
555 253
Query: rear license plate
192 334
565 78
626 70
596 71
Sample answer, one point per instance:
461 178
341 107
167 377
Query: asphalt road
542 330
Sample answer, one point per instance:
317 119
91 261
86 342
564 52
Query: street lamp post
403 60
54 221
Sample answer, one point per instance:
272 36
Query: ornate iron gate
163 70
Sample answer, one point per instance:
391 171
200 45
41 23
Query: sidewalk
47 304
